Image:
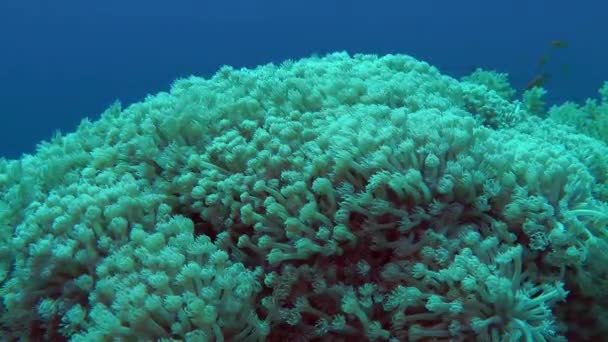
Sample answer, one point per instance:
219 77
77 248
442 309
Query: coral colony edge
323 199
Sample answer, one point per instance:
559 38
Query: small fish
559 44
538 81
543 61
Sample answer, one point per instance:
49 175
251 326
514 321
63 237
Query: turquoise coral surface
330 198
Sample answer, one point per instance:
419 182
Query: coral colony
326 199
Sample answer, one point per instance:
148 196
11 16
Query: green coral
493 81
589 118
326 198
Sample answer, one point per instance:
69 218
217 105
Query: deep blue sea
61 61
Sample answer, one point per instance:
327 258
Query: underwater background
324 171
63 61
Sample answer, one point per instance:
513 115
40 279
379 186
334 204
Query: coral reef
321 199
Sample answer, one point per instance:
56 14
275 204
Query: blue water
61 61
